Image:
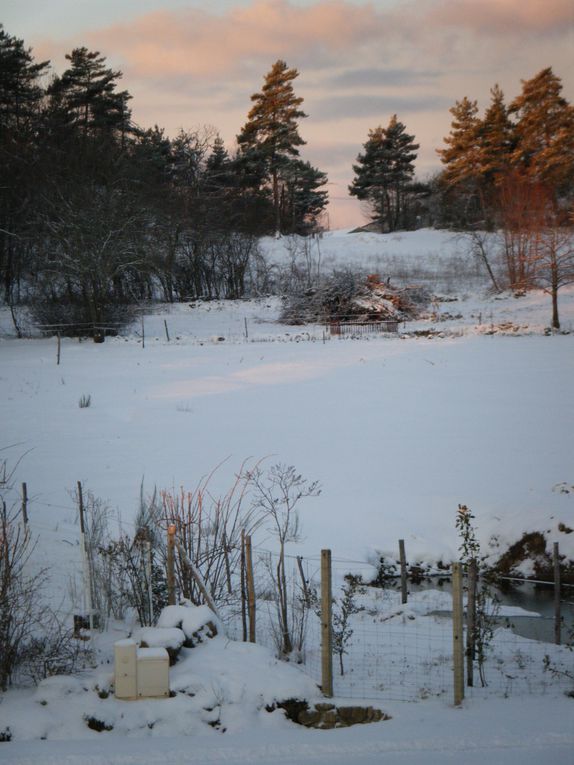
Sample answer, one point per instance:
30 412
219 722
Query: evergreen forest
98 214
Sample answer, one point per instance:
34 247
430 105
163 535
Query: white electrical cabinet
153 672
140 672
126 679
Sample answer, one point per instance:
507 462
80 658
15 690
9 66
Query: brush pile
346 296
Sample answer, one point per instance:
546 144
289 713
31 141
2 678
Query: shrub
70 317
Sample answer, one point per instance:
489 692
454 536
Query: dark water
540 599
535 598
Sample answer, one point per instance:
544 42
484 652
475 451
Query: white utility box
140 672
126 679
153 672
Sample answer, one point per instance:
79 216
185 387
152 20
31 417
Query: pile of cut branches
346 296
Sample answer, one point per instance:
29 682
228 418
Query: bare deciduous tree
554 263
538 239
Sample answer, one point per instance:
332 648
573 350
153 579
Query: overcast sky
189 63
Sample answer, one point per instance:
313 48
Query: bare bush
55 650
277 494
53 311
126 570
34 640
209 531
20 609
303 268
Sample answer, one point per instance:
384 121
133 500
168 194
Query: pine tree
496 139
20 90
384 172
461 157
218 177
303 197
20 102
544 131
88 97
152 157
460 179
270 137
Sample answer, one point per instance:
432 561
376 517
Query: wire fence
404 652
360 328
386 649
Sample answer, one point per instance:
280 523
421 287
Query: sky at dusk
189 63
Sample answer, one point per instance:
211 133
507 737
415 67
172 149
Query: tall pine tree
496 141
87 95
460 179
544 131
20 104
384 172
270 137
20 89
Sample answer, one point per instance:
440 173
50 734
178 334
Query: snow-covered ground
222 709
398 430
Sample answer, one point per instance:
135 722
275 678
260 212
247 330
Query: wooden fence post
166 329
58 350
403 559
557 612
304 585
185 560
326 625
457 634
250 588
85 559
171 565
149 574
471 621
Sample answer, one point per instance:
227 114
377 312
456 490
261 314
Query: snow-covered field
398 430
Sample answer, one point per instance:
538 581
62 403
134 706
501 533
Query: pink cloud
200 43
497 17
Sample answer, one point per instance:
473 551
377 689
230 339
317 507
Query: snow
152 654
219 711
167 637
398 430
189 619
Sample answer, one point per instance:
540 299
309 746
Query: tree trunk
283 613
555 319
276 203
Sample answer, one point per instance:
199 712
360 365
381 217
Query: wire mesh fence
383 649
404 652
